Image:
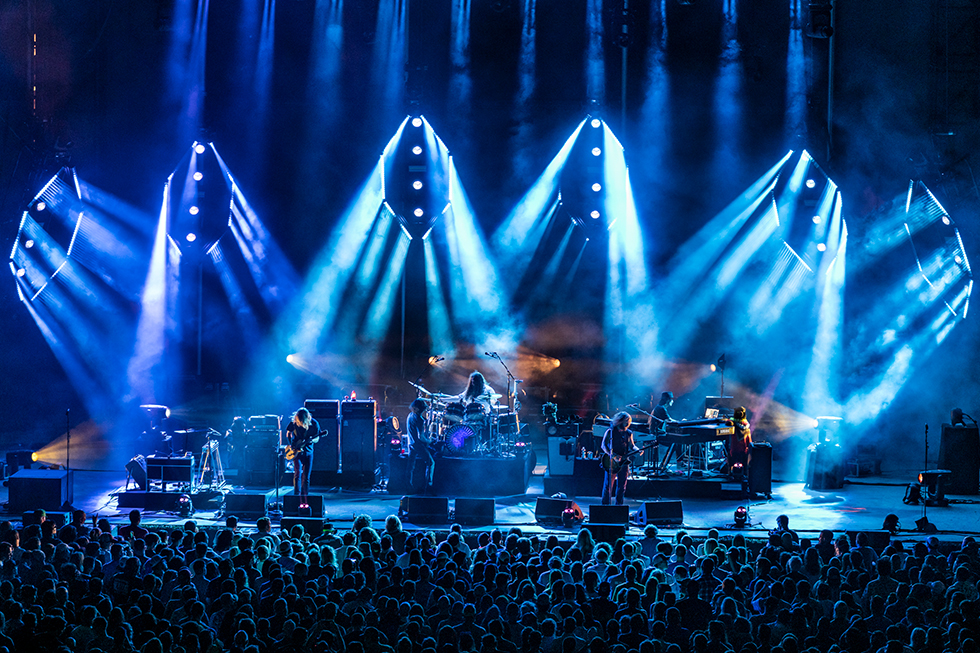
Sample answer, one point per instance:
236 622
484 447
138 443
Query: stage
859 506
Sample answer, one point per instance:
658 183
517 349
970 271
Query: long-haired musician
617 443
418 434
301 434
477 389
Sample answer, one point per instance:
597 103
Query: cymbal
419 388
441 395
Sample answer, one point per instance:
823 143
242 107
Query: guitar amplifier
170 470
326 451
358 436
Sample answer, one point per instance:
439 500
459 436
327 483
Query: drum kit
476 428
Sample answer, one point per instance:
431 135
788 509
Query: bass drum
455 412
461 439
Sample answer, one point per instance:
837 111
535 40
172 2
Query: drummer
478 391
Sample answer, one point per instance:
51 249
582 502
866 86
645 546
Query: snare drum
455 412
476 413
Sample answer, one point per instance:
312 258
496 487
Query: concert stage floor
860 505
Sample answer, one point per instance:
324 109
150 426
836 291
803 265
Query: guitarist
301 433
421 443
617 443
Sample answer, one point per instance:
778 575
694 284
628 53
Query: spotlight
958 259
741 516
417 185
35 457
810 183
946 220
29 243
596 123
198 176
193 210
595 215
419 213
191 237
956 417
816 219
185 507
597 187
713 367
821 17
40 206
821 247
596 151
199 148
417 150
416 122
20 272
290 358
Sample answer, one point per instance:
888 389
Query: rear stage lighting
417 150
191 237
199 148
193 210
40 206
821 247
417 185
20 272
946 220
419 213
816 219
416 122
596 151
597 187
595 215
810 183
29 243
596 123
198 176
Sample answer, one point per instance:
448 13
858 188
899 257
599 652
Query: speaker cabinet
959 452
358 436
170 470
326 451
475 511
661 513
561 456
312 525
137 470
824 467
290 505
30 489
426 510
606 532
760 468
246 506
600 514
548 510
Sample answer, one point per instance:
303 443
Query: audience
188 590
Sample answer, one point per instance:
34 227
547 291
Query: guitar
613 465
293 450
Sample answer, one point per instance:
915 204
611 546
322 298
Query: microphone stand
68 431
510 378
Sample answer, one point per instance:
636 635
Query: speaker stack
959 452
358 436
326 451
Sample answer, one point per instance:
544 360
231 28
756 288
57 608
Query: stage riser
157 501
466 477
644 489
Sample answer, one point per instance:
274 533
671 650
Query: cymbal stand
511 395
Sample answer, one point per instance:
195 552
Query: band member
617 443
421 444
477 390
301 433
658 420
738 443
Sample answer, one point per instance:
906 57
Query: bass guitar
296 448
613 465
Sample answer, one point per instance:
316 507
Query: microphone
488 354
441 358
518 380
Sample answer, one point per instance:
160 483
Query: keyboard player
657 426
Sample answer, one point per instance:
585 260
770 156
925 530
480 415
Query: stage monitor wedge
661 513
